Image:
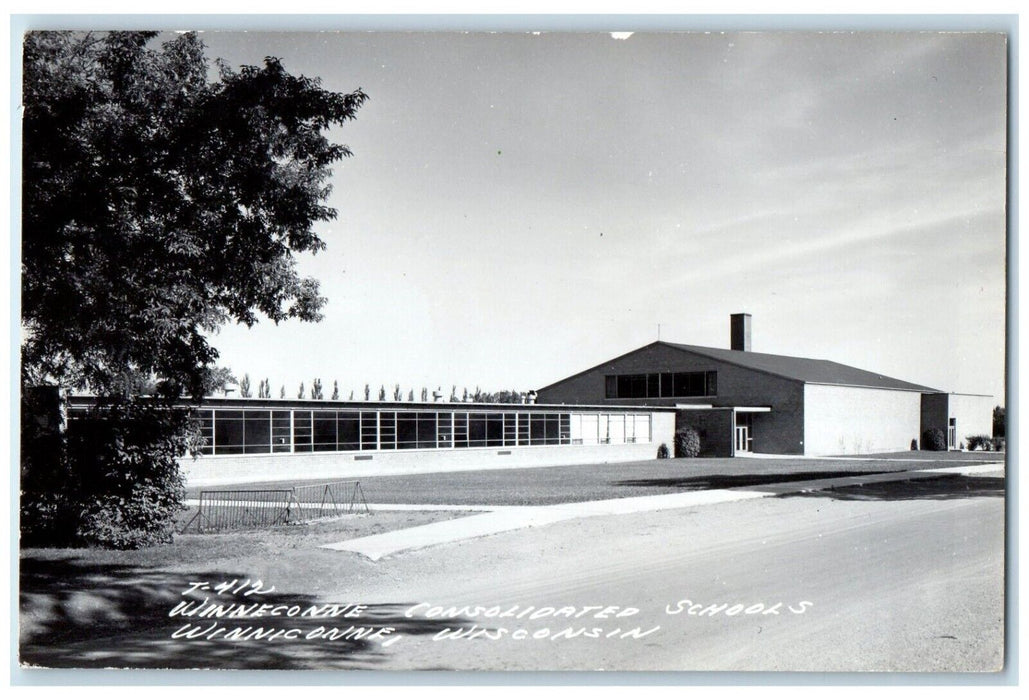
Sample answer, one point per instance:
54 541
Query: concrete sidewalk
507 518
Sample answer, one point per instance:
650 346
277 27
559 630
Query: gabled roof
801 369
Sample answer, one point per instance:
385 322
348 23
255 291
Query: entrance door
952 433
743 438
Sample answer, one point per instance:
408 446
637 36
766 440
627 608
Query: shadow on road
728 481
76 615
938 488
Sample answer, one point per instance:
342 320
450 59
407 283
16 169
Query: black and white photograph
668 351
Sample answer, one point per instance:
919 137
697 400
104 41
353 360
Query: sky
521 207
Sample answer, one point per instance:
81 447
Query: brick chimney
739 332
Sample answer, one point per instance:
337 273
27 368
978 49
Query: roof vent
739 332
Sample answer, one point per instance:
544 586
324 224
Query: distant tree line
397 394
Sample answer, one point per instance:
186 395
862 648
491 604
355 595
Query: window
426 430
369 430
407 430
661 385
445 430
348 431
282 437
259 431
324 431
206 430
302 431
632 386
228 432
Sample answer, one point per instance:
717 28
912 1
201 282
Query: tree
216 379
300 394
316 389
382 392
244 387
335 390
999 421
367 392
396 393
158 205
282 392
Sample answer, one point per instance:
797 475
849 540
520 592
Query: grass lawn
591 482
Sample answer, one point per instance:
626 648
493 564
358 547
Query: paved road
874 581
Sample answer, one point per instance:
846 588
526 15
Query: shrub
980 442
998 444
130 484
662 451
914 444
687 442
934 440
122 485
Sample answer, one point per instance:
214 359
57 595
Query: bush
934 440
687 442
914 444
980 442
998 444
123 486
662 451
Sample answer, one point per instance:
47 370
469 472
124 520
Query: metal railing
220 511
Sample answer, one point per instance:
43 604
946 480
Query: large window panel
282 438
712 384
510 429
407 430
348 430
228 432
388 430
590 423
302 431
257 432
495 429
476 429
616 429
537 429
461 430
642 427
445 430
206 419
427 430
369 430
523 428
632 386
552 429
324 430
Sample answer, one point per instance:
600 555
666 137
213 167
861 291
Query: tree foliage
934 440
160 200
158 204
999 421
687 442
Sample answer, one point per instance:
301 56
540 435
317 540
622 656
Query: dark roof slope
803 369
